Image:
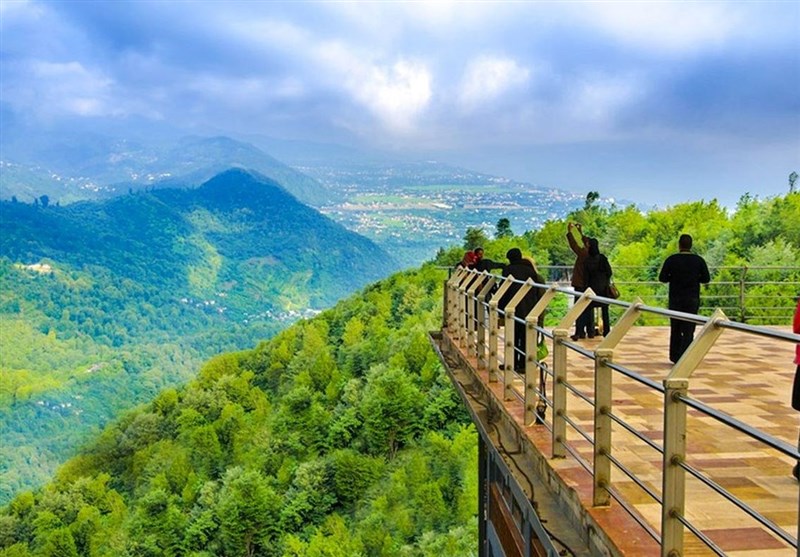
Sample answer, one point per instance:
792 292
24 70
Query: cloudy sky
656 102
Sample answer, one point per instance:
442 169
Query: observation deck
604 447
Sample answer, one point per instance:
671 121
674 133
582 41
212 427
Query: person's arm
607 266
666 272
573 243
489 265
705 277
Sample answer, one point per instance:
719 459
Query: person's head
514 254
594 246
685 242
478 253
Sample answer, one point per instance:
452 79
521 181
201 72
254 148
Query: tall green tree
474 237
503 229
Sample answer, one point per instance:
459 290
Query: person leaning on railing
598 273
521 269
796 386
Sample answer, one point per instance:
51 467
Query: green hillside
340 436
102 305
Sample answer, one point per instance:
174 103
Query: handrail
740 291
462 293
739 284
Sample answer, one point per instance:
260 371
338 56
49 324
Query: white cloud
396 93
487 78
73 88
675 27
597 100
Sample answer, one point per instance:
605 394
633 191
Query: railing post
494 330
532 363
445 308
508 360
510 336
676 385
742 310
602 427
559 392
560 334
472 315
463 318
480 348
453 311
673 488
531 369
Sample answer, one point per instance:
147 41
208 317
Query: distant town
413 210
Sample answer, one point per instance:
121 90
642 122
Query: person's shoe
577 337
590 335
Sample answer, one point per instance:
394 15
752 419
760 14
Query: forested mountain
340 436
69 167
103 304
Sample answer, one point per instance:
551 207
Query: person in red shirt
468 261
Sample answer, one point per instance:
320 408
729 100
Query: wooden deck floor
746 376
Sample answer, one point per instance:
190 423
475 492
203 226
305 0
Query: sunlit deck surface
746 376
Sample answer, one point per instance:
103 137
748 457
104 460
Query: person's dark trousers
585 323
681 333
519 344
604 313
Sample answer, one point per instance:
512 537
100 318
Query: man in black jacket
520 269
684 271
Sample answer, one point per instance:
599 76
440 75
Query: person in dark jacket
684 271
521 269
597 271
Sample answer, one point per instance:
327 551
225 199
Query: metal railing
750 294
760 295
473 320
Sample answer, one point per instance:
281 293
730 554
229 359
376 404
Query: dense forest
758 243
341 435
104 304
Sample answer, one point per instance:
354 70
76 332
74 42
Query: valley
105 303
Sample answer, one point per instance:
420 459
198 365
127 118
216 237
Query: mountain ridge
140 288
91 167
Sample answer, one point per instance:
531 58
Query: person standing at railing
598 278
796 386
684 271
468 261
521 269
581 251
